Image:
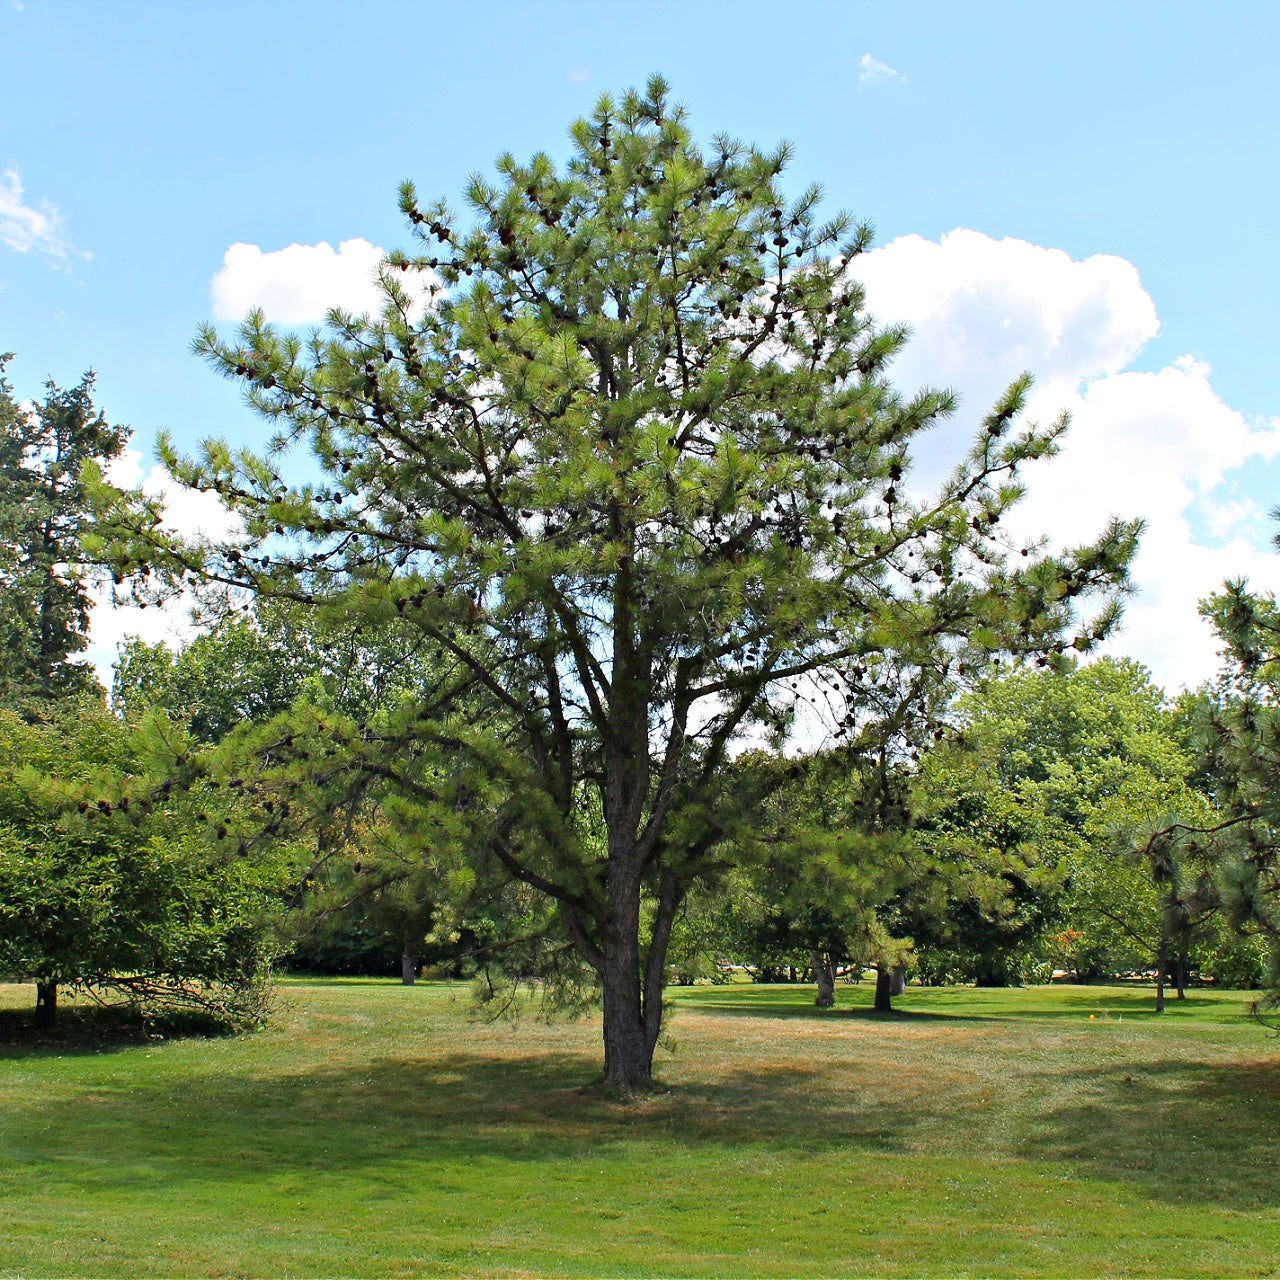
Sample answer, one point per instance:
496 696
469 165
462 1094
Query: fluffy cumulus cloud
37 227
298 284
186 511
1158 445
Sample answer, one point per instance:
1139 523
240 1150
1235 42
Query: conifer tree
44 601
1238 730
622 450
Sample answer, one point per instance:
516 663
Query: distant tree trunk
898 980
409 964
46 1004
1160 968
1180 976
884 982
824 974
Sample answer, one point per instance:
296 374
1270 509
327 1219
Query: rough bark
824 974
627 1059
884 979
409 964
46 1004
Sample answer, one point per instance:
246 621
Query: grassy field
377 1130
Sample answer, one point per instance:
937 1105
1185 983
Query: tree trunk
46 1004
1160 966
628 1059
898 980
824 974
631 980
409 964
884 979
1180 976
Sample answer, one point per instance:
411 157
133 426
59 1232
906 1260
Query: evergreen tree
1238 731
635 473
44 600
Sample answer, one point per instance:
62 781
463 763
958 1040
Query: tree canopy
44 512
109 883
1052 788
622 453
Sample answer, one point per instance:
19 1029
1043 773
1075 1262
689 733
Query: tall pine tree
634 471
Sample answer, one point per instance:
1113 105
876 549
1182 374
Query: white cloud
186 511
300 283
873 71
1160 445
26 227
982 311
579 75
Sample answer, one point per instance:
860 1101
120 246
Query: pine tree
1238 729
44 600
622 451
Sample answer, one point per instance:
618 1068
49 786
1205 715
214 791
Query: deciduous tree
110 881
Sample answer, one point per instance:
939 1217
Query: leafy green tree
828 862
1051 771
634 472
107 884
44 599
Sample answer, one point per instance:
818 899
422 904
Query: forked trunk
824 975
884 985
628 1055
46 1004
631 980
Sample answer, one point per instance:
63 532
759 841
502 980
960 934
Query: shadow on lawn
754 1007
1177 1129
1185 1131
89 1028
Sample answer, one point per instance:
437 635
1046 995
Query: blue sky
139 142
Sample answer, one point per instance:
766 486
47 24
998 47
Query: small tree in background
109 886
1052 779
636 478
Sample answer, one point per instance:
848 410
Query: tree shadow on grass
1184 1130
91 1029
1174 1129
755 1007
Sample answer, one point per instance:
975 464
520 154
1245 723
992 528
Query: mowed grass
377 1130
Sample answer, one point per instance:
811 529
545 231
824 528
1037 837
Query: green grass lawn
376 1130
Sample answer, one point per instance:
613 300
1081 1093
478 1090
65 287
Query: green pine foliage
1237 729
620 452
